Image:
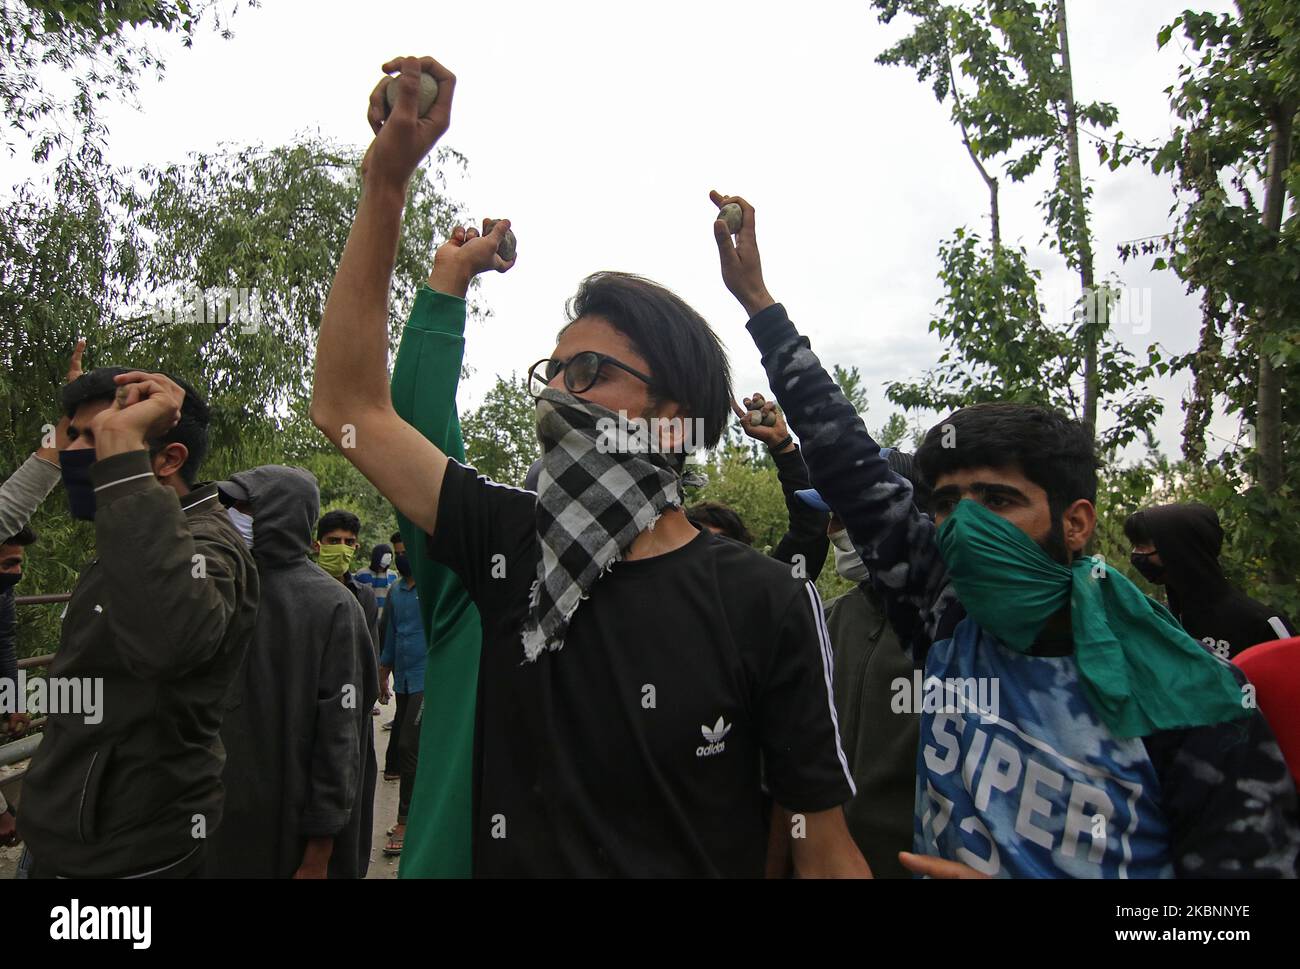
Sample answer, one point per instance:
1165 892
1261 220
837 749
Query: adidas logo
714 736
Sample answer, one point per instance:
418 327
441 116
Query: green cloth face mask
335 559
1140 669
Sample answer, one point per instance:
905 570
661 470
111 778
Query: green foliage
1235 159
751 490
998 62
1004 66
271 223
66 265
1157 481
894 433
850 382
501 433
60 59
147 266
749 486
998 346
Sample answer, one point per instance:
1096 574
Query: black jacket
298 731
806 535
161 619
1188 539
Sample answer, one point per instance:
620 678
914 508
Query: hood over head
1188 539
285 505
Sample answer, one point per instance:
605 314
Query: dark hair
687 363
376 554
904 465
1136 530
24 536
1053 451
334 521
720 517
395 538
191 430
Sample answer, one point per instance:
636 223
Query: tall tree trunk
1268 401
1198 410
995 220
1096 306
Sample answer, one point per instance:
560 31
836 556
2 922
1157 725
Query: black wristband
781 445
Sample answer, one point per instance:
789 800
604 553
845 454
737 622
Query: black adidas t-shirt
635 749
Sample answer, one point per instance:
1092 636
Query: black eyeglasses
580 372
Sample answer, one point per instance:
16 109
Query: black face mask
1150 571
403 566
77 483
9 579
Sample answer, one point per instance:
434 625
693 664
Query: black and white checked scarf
592 502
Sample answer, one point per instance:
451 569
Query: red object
1274 668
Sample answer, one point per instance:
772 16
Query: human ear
169 460
671 426
1078 522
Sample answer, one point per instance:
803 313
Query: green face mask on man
1141 670
335 559
1007 581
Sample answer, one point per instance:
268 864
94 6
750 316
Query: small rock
428 94
508 247
732 215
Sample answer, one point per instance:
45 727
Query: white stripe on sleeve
828 662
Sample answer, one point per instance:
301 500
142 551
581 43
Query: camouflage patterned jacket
1038 787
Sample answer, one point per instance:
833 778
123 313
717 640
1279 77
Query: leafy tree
59 59
894 433
247 241
143 266
501 433
1005 67
1235 160
999 347
751 488
850 381
217 268
67 264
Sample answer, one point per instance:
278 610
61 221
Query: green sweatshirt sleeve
425 378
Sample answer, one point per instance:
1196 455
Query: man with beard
1069 726
634 749
1178 546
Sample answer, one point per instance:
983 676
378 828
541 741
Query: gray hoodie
299 747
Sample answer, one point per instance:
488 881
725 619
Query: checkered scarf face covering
592 502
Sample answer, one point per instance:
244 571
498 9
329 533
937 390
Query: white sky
599 128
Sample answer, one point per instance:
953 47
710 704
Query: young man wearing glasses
636 674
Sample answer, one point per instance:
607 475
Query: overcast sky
599 128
